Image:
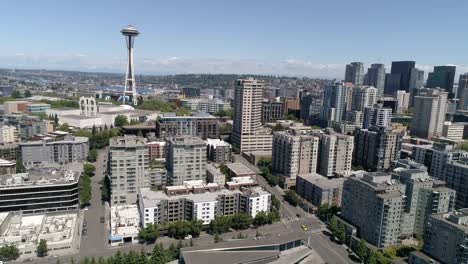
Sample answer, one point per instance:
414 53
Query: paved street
329 251
96 239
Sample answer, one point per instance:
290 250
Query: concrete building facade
294 153
185 160
335 153
376 148
128 168
247 132
429 114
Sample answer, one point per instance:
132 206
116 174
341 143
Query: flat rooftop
125 220
240 169
322 181
27 231
217 143
239 251
195 115
39 176
152 198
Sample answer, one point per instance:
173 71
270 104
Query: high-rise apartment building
335 153
294 153
311 105
424 196
442 77
376 148
247 131
362 97
429 113
457 178
436 157
199 124
185 159
376 77
374 205
377 116
69 149
397 206
219 151
128 168
355 73
446 237
335 101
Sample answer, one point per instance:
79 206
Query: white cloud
175 65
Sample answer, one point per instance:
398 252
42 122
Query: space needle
130 93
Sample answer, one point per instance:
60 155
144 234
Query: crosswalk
289 220
316 230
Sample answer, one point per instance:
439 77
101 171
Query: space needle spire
130 93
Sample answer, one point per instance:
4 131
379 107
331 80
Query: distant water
119 88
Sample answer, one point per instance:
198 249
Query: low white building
80 121
202 202
62 111
453 131
61 231
124 222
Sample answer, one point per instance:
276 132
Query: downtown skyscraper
355 73
376 77
247 132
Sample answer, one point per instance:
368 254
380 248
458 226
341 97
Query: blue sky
294 37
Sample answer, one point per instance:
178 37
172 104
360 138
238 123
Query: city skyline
297 39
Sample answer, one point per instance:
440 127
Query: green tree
85 191
20 168
220 224
182 111
121 121
56 120
291 197
27 93
278 127
362 250
92 155
157 105
148 234
89 169
42 248
333 225
16 94
105 189
217 238
64 127
261 219
9 252
160 255
220 113
275 202
340 232
241 221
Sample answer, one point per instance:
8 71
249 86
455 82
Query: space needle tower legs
130 95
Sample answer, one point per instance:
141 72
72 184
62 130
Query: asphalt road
96 238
